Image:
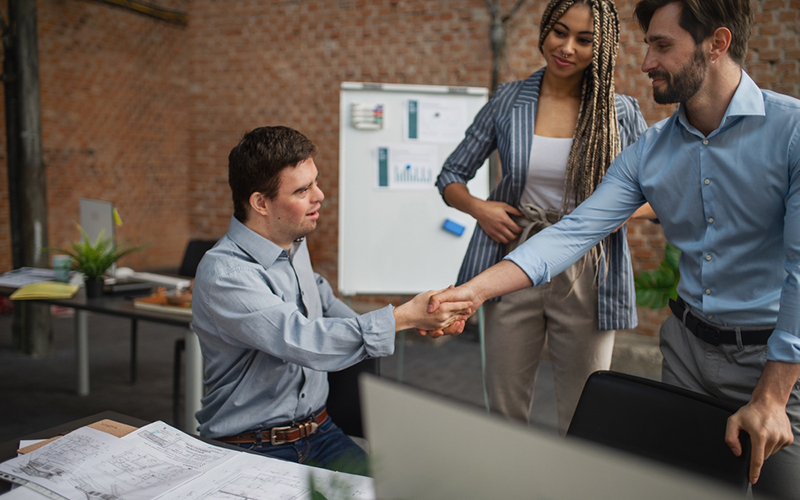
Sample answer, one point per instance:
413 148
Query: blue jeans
328 448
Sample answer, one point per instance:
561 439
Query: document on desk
88 463
254 477
160 462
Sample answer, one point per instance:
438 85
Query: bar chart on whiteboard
407 166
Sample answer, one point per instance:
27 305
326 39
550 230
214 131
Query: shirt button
708 292
708 256
710 316
707 182
302 396
705 142
710 220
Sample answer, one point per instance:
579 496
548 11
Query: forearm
776 383
457 195
500 279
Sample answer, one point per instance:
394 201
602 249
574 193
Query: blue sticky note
453 227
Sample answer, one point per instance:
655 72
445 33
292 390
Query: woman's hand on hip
495 219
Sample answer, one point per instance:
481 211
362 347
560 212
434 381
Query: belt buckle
273 438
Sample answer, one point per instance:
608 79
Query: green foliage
655 288
94 259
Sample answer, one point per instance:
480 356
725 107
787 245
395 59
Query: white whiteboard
391 235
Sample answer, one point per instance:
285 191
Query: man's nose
319 194
649 63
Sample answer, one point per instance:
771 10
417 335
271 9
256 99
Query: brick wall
144 113
115 109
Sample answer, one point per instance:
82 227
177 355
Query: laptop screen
423 446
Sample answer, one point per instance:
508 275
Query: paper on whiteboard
406 167
435 120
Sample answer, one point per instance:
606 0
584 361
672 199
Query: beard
684 84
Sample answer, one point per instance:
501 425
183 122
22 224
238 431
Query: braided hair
596 139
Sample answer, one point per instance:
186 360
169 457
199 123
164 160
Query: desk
122 307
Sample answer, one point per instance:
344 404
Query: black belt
711 334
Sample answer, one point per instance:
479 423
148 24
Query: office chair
344 401
191 259
668 424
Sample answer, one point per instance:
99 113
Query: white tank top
544 185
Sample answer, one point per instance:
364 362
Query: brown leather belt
280 435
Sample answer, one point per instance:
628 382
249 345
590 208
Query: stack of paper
25 275
161 462
45 290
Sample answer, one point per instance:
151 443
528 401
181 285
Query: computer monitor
423 446
97 216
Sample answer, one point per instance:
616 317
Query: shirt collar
259 248
747 101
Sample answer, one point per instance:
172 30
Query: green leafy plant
94 259
655 288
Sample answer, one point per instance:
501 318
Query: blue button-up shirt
270 328
729 201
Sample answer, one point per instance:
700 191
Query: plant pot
94 288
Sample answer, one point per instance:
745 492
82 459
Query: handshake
437 313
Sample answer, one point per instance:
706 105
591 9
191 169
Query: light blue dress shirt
270 328
729 201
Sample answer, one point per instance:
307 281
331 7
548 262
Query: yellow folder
45 290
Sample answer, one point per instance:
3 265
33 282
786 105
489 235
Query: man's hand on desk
416 314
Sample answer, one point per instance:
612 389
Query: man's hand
417 314
442 299
493 218
769 430
764 417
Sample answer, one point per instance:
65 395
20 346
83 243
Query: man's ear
720 43
259 203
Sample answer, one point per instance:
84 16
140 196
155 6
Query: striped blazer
506 123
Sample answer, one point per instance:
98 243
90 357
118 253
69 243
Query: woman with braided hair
556 134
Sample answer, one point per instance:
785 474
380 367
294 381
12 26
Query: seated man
269 327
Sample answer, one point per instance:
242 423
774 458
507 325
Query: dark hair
255 164
701 17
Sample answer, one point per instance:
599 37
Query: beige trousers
516 329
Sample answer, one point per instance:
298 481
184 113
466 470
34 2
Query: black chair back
194 252
661 422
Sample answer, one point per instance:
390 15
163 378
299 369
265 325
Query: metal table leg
82 351
134 329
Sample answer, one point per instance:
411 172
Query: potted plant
655 288
94 259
